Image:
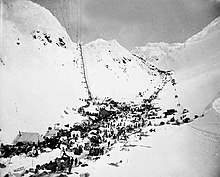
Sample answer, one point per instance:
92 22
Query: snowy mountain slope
216 105
159 53
173 55
41 71
212 28
196 64
210 122
200 73
114 71
38 75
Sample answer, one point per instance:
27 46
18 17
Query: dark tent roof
103 112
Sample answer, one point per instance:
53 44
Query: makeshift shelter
28 137
51 133
103 113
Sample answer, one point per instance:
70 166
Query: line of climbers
84 72
113 122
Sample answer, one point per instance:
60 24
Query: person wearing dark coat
76 162
52 166
70 164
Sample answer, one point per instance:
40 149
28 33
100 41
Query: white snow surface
40 79
41 71
216 105
114 71
196 65
172 151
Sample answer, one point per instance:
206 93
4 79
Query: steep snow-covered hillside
158 52
39 75
114 71
41 71
197 49
42 83
212 28
196 64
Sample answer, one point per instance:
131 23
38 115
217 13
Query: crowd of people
115 121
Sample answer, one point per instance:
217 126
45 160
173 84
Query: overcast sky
134 22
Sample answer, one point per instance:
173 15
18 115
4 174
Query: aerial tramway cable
78 30
67 15
78 35
62 14
67 24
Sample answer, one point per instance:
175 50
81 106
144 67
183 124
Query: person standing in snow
63 152
76 162
70 164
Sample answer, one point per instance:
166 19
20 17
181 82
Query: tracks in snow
210 135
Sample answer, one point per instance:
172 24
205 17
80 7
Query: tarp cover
28 137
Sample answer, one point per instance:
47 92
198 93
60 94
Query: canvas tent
103 113
51 133
27 137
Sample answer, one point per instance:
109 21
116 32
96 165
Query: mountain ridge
167 52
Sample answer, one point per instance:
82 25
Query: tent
51 133
103 113
27 137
